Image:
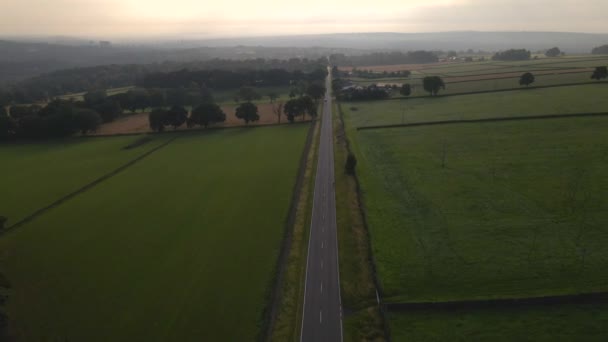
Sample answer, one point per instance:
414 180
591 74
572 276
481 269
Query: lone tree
247 111
176 116
87 120
157 119
316 91
277 109
600 73
406 90
351 163
206 114
432 84
300 106
553 52
526 79
272 96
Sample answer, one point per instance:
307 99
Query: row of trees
512 55
385 58
369 74
45 87
600 50
207 114
230 79
598 74
59 118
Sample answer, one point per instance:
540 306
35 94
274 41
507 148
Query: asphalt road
322 316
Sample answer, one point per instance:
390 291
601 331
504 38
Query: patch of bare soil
138 123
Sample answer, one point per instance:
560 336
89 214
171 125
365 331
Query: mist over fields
22 57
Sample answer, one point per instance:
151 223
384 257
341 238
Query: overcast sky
222 18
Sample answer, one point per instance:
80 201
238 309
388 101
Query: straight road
322 316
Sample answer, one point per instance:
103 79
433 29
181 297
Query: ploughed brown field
138 123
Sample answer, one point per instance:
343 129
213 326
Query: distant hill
35 56
488 41
21 60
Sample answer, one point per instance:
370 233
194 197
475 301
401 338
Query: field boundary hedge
499 119
282 262
495 90
84 188
580 298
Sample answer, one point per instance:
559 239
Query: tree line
45 87
385 58
208 112
369 74
227 79
60 118
512 55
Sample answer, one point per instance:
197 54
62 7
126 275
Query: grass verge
363 319
288 320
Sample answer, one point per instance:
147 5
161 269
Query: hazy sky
219 18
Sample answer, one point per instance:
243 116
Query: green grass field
489 210
494 69
573 322
180 247
560 100
33 175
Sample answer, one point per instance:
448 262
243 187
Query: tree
157 119
95 97
292 109
432 84
138 99
452 53
309 106
3 221
176 97
7 125
600 50
553 52
87 120
109 109
406 90
248 94
512 55
248 112
272 96
176 116
18 112
526 79
600 73
206 114
316 91
300 106
277 109
337 84
351 163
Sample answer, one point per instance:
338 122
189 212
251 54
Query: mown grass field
560 100
572 322
492 210
490 74
182 246
34 175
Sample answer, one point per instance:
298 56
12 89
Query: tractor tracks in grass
85 188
